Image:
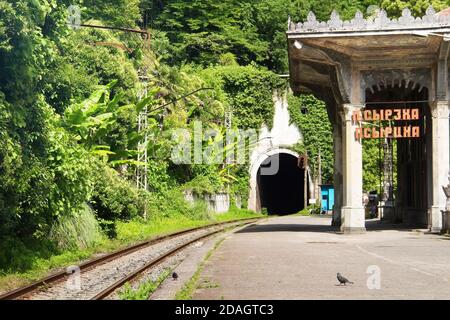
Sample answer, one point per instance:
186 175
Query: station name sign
375 132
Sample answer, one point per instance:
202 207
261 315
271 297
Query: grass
310 210
40 261
80 230
207 284
144 291
188 290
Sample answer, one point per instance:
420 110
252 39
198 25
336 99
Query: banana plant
217 150
91 120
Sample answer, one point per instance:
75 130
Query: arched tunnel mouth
281 191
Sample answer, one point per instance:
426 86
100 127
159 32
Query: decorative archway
409 198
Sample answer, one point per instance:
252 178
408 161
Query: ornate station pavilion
380 66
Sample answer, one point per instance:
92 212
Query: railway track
105 274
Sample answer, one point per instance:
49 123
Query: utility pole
388 171
320 168
142 170
387 197
142 157
228 124
319 181
305 187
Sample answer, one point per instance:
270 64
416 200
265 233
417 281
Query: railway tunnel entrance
281 184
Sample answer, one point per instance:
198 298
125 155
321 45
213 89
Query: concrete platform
298 258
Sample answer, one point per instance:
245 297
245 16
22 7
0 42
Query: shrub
202 184
41 179
21 254
312 209
115 198
77 231
171 203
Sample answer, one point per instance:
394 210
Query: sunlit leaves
92 120
317 133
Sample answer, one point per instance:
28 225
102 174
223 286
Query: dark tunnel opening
282 193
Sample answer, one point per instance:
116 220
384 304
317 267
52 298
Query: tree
417 7
116 13
44 173
203 30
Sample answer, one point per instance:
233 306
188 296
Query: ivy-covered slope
310 115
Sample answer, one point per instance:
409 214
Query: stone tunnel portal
281 191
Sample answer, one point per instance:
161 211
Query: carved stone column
338 175
440 161
353 219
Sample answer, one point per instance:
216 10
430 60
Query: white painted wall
282 133
277 140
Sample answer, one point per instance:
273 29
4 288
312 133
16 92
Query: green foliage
237 213
103 57
90 121
309 210
77 231
114 198
70 172
144 291
201 185
228 59
117 13
171 203
300 148
253 31
304 212
160 179
37 188
18 255
44 172
201 31
248 91
25 178
317 133
417 7
372 161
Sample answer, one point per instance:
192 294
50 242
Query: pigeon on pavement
343 280
174 276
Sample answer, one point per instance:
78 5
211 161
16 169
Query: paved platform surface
298 258
187 268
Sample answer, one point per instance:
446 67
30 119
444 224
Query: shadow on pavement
376 225
288 227
371 226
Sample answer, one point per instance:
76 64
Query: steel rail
106 292
55 277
